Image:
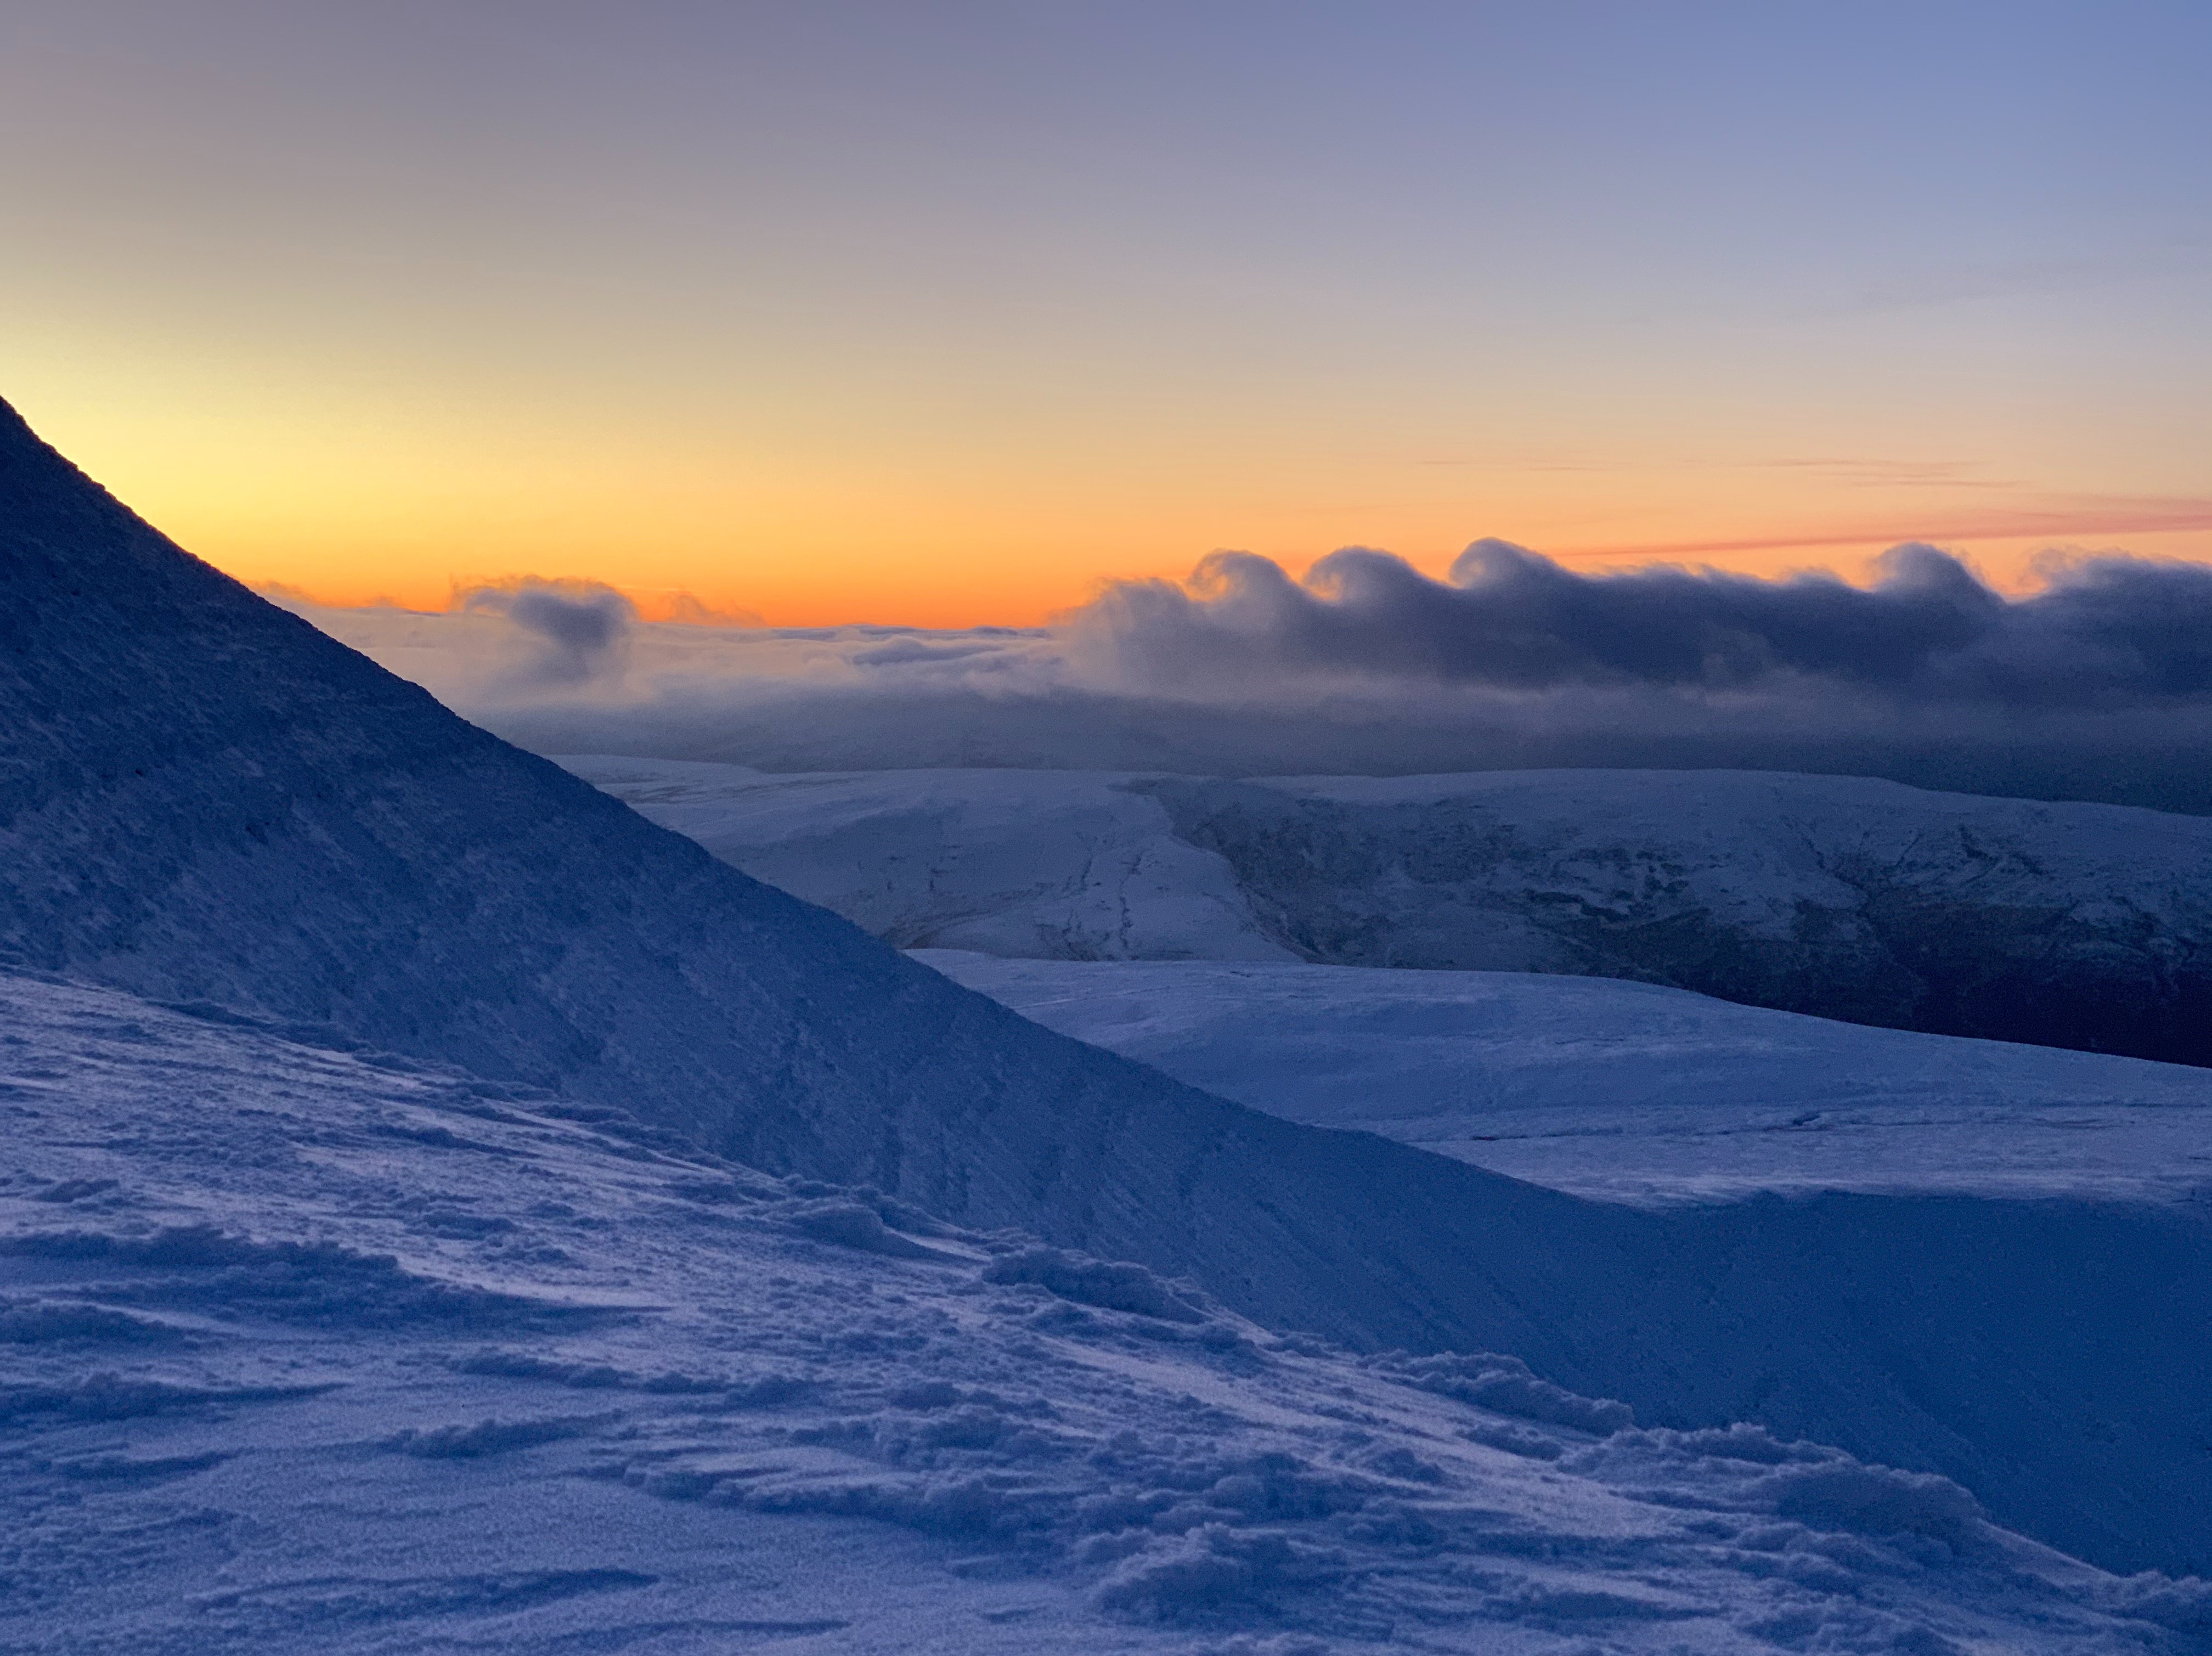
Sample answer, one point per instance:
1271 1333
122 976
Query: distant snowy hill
2084 926
1630 1091
1053 865
306 1352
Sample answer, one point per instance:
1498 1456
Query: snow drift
1960 1196
306 1352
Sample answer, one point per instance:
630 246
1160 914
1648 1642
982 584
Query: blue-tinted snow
1965 1223
2085 926
1632 1091
206 801
1973 1208
303 1352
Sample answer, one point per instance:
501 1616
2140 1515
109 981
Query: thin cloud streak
2074 521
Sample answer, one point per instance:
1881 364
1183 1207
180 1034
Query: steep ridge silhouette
204 801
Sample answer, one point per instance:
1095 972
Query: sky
945 314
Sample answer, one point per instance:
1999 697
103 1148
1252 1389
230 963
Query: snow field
1962 1209
1054 865
313 1351
1632 1092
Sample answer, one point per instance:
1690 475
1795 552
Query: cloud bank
2098 686
2107 633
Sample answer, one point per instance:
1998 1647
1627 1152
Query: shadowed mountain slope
204 801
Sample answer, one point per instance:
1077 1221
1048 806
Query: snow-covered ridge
2084 926
1632 1091
312 1352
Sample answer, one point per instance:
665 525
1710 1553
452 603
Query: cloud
2053 519
582 626
2107 632
2097 686
696 611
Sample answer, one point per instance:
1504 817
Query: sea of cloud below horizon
2099 686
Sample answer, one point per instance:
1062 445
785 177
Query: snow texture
1985 1207
1629 1091
2084 926
319 1352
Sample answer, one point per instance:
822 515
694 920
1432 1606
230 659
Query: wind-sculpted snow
2081 926
1985 1206
676 1419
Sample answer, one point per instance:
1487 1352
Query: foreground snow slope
312 1352
1630 1091
2085 926
1974 1206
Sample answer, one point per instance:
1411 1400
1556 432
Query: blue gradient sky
942 313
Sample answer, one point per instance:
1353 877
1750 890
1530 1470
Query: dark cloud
2099 686
2108 632
580 625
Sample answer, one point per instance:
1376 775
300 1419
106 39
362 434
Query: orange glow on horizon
1002 584
352 504
2013 564
371 301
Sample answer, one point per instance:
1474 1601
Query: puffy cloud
580 626
2098 686
2107 632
